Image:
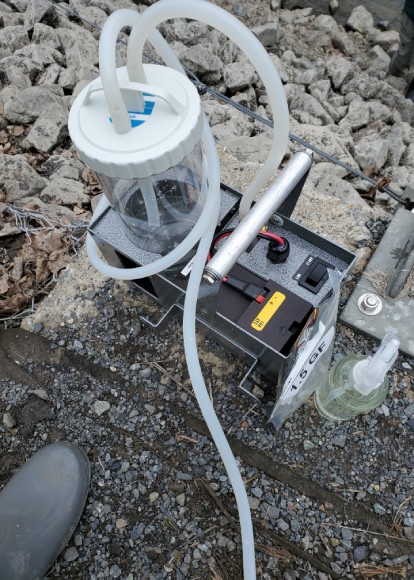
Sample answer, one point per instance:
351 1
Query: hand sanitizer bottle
357 384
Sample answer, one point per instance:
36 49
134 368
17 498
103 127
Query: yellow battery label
268 311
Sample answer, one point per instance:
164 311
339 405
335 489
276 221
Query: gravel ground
160 504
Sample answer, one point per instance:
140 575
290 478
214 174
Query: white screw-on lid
161 135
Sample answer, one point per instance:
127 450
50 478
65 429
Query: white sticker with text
187 268
306 363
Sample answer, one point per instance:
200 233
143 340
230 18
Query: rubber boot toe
40 508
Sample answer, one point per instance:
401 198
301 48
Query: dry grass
369 571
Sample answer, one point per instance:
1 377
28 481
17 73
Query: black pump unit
263 311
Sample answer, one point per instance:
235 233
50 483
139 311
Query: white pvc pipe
249 44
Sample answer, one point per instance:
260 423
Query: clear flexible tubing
249 44
190 344
203 399
107 68
191 354
197 11
189 330
211 211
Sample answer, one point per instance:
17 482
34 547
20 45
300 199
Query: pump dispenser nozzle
368 374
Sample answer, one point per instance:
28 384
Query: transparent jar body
160 210
337 400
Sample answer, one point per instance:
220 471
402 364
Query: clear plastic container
160 210
338 400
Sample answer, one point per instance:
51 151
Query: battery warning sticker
268 310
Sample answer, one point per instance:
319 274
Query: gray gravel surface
327 498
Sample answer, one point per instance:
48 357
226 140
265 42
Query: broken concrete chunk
269 34
28 104
11 39
81 51
17 178
50 76
50 128
42 54
237 77
64 191
361 20
67 78
53 210
36 10
43 34
371 151
59 166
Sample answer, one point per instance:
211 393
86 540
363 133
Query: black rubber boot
40 508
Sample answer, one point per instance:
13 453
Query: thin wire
203 88
76 230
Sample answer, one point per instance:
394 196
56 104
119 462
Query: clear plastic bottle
356 384
146 151
337 400
160 210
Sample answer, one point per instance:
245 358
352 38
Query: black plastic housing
278 253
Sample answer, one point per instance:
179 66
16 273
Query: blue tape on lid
139 117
